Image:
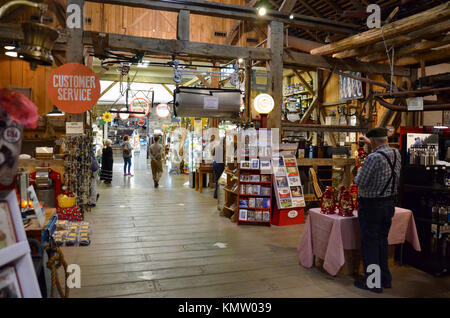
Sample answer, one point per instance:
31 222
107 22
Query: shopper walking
156 153
377 183
106 173
218 153
127 152
94 176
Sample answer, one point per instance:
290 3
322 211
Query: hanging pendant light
55 112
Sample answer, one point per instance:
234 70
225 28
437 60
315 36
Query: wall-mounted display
350 88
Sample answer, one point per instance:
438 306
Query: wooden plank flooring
150 242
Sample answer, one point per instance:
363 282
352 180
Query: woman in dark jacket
107 163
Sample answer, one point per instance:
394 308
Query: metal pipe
6 6
399 108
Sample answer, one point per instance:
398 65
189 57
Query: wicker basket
66 202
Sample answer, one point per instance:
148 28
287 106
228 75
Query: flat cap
377 132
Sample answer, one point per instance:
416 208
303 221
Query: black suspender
393 175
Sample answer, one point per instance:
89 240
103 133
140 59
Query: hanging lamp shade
37 43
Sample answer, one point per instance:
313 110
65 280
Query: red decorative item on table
70 214
346 204
328 203
354 194
339 195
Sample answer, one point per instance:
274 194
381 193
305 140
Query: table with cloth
327 236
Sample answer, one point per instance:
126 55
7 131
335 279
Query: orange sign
74 88
140 105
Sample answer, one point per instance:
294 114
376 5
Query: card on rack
250 215
284 193
255 178
292 171
265 178
298 202
265 191
243 215
266 216
245 164
294 181
243 189
257 189
254 164
266 203
243 203
258 216
282 182
251 203
290 162
296 191
285 203
260 202
279 171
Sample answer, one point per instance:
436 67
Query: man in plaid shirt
377 183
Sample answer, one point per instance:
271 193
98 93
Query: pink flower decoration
19 107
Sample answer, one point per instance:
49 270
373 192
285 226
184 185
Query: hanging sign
211 102
415 103
163 110
74 88
124 116
140 105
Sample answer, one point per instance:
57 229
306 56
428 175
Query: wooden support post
248 91
183 25
275 69
75 47
307 86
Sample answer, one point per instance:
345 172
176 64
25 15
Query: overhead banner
74 88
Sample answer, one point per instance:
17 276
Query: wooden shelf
229 209
298 93
287 125
255 182
231 191
325 162
248 208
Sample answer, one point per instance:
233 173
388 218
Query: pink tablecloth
327 236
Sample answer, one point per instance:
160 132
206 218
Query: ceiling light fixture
291 17
262 11
11 53
240 60
9 47
440 126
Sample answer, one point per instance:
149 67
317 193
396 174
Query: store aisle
171 242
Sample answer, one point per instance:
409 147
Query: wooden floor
161 242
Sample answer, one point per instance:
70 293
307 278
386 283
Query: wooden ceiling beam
427 32
406 25
433 57
310 9
299 60
410 50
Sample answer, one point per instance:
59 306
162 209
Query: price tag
211 102
415 104
74 128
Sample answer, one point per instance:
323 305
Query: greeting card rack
254 193
16 255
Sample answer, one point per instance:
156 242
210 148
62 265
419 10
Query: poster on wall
74 88
350 88
287 183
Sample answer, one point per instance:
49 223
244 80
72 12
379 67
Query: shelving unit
302 100
230 194
18 254
265 211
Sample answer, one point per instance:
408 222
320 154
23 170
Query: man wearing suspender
377 183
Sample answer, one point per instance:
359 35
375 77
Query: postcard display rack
255 192
289 208
17 274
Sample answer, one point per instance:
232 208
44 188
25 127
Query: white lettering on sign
73 16
74 88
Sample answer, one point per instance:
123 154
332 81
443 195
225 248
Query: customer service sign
74 88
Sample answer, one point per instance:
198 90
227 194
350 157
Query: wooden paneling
16 73
159 24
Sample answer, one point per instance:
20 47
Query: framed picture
254 164
7 231
9 283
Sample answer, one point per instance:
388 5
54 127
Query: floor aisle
162 242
